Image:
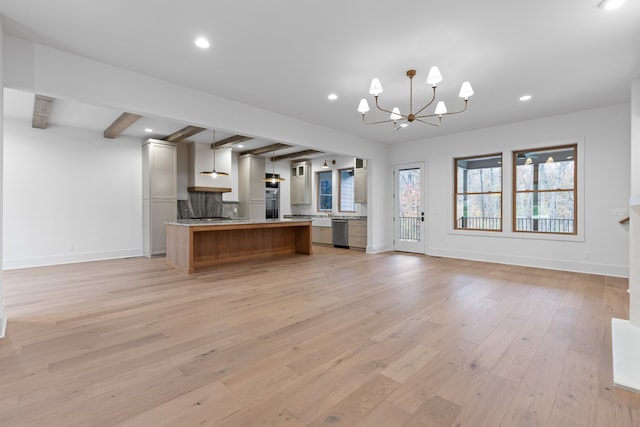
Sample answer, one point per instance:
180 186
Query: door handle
422 216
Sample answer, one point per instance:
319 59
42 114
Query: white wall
604 137
69 195
47 71
634 249
3 318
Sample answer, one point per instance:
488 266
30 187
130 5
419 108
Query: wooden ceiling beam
121 124
232 140
183 134
41 108
266 149
294 155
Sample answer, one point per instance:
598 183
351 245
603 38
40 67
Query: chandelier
400 120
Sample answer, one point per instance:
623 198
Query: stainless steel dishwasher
340 229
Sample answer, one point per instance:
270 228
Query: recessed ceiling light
332 96
148 130
611 4
239 145
525 97
202 43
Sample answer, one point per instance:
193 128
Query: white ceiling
288 55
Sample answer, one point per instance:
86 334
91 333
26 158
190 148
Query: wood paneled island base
194 246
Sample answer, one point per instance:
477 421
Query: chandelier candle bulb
364 106
434 76
441 108
376 88
465 90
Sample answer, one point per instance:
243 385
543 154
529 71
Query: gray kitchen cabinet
358 233
300 183
159 194
251 194
322 235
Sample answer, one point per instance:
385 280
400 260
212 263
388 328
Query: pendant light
273 178
213 173
326 165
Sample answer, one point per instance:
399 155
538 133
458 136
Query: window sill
519 235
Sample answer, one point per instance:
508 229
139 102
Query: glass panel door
409 225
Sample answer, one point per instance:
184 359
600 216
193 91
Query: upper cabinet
301 183
360 181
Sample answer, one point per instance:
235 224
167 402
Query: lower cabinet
322 235
358 234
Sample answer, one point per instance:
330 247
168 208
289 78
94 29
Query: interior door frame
421 246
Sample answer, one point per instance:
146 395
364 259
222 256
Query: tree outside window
478 183
545 190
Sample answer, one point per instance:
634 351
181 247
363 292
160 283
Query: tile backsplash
204 204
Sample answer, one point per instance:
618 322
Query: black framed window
545 190
478 193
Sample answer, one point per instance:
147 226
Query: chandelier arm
387 111
381 121
466 103
433 98
429 123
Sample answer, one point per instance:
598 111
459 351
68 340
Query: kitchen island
194 245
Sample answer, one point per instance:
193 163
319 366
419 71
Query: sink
321 222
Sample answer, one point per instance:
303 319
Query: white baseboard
378 249
552 264
14 263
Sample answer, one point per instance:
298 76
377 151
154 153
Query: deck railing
409 228
544 225
479 223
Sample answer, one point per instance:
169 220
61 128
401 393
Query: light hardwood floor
339 338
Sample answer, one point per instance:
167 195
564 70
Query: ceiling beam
232 140
41 109
294 155
183 134
120 125
266 149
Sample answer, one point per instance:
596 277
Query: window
478 183
544 182
347 191
325 191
